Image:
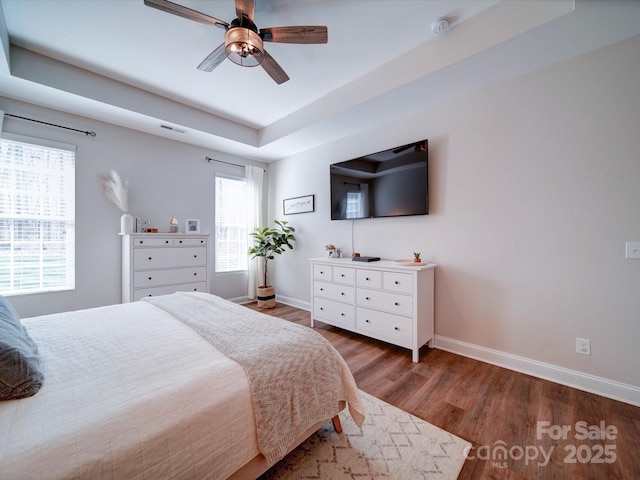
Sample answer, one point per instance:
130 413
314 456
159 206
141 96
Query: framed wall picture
192 226
298 204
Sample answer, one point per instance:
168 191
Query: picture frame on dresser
192 225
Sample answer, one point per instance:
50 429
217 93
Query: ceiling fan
243 42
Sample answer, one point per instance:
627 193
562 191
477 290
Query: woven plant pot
266 297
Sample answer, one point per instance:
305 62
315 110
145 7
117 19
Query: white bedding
158 402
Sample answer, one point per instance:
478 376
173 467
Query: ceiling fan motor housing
243 46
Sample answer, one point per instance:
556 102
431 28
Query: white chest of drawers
382 300
157 264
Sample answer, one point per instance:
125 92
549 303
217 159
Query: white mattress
135 396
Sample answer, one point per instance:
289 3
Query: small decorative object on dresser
142 225
267 242
159 264
382 300
173 225
416 257
192 226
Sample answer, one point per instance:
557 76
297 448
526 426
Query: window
231 224
37 216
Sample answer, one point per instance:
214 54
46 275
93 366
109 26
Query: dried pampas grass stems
116 190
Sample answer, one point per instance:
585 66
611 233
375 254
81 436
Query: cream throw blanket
288 396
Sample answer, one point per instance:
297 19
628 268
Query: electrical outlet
583 346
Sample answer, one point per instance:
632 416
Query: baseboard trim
294 302
572 378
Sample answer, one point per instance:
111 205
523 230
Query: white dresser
159 264
382 300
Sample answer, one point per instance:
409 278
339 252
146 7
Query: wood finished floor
491 407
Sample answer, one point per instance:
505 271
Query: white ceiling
125 63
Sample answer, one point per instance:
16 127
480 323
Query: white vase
126 223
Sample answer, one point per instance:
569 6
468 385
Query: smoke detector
440 25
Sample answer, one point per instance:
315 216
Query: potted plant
267 242
416 257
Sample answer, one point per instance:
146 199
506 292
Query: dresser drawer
334 313
153 278
147 258
369 278
344 275
394 328
153 241
322 272
387 301
167 289
333 291
189 242
398 282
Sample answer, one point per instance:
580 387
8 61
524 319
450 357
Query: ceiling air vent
174 129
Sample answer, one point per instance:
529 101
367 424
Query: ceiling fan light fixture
244 47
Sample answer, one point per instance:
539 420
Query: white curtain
254 176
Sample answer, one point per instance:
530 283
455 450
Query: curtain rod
87 133
209 159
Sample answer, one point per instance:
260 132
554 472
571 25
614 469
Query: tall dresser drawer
152 278
322 272
344 275
153 242
333 291
398 282
335 313
189 242
369 278
168 289
387 301
395 328
146 258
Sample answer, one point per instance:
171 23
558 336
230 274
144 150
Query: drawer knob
396 282
367 279
367 298
342 293
195 273
322 289
396 304
201 241
321 272
322 308
166 241
195 256
367 321
149 278
149 258
342 275
180 241
396 328
141 242
342 314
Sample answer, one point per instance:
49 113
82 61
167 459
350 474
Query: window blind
37 216
231 224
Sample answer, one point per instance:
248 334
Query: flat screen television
390 183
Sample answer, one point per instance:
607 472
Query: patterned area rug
392 445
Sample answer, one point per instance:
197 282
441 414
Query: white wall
165 178
534 191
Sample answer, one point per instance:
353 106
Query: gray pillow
20 374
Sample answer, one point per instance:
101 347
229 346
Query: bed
186 385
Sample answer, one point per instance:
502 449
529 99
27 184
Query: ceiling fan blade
274 70
245 8
300 34
185 12
214 59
